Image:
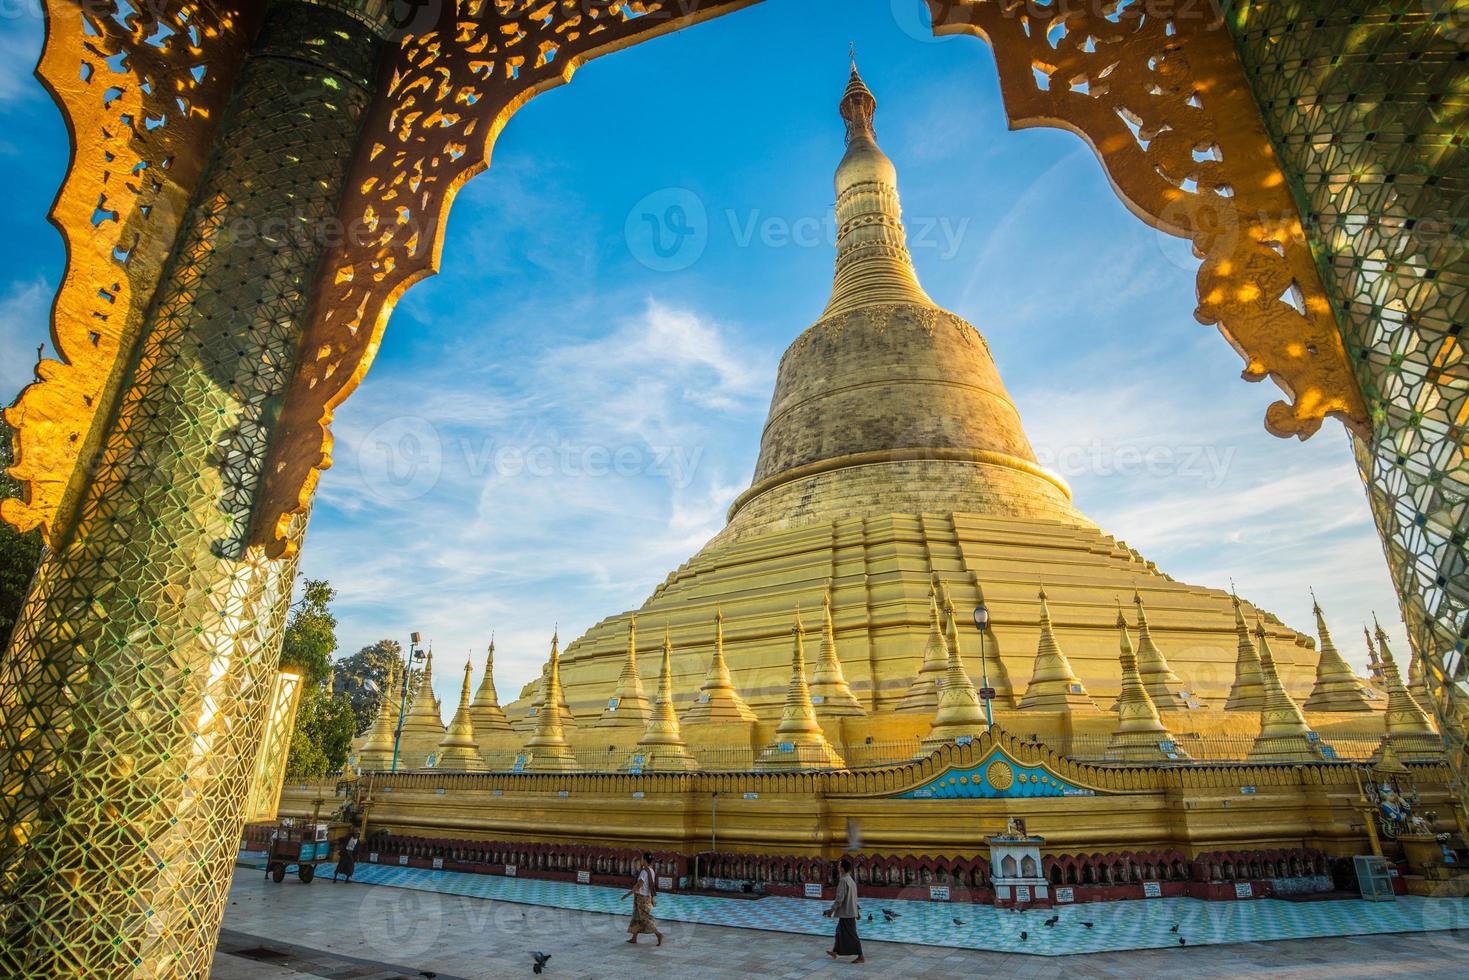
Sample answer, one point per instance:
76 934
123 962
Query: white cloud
25 310
20 45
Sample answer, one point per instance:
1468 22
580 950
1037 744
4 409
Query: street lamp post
986 693
414 655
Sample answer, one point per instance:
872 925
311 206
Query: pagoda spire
1053 686
1284 735
423 726
458 749
1140 735
718 699
1336 687
1248 692
1384 654
662 746
923 693
1409 729
628 707
1164 686
799 742
485 710
829 691
547 750
1418 681
1374 663
874 265
960 711
377 749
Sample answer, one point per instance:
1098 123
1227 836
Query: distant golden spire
799 742
1336 687
485 710
662 746
1284 735
1248 692
718 698
923 693
458 749
1164 686
628 707
1053 686
960 711
829 691
377 749
1140 735
874 266
1374 664
1408 726
547 750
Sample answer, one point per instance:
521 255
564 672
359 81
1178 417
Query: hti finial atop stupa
873 262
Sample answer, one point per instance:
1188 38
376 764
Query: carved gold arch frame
1159 94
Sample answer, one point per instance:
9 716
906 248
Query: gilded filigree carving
1157 90
447 95
141 89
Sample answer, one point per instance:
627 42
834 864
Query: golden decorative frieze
141 94
1158 92
446 96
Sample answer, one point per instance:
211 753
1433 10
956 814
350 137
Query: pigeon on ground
958 922
889 914
1087 924
1175 927
428 974
1051 921
1024 936
1182 941
541 959
869 916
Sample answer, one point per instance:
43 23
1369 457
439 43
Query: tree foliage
19 553
363 677
324 720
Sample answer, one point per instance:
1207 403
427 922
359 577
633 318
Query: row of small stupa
942 687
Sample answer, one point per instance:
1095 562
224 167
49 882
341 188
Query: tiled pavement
1115 926
370 932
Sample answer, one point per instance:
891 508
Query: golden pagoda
1336 687
485 710
799 742
1284 735
547 750
960 712
423 727
718 700
1248 690
662 747
628 707
1053 686
923 693
1140 735
1409 729
892 453
1418 680
1164 686
829 691
458 749
376 751
528 721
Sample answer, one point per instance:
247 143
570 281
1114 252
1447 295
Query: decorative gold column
1164 686
960 711
799 742
489 718
718 698
628 706
139 679
458 750
547 750
1407 724
1140 733
1053 685
1284 735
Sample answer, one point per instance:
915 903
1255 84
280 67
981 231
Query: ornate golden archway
208 327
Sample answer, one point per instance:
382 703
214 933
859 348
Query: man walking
845 911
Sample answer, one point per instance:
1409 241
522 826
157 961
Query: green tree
324 720
363 677
19 553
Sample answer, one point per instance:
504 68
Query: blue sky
563 415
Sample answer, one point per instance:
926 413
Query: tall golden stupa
893 455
